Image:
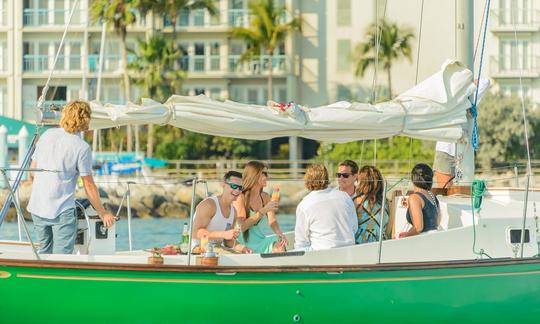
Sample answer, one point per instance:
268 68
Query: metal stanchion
128 206
191 214
522 240
20 214
381 219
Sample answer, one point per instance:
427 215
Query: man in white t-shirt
326 217
52 202
444 164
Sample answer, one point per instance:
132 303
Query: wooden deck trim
267 269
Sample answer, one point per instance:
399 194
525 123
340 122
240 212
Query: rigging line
378 35
522 100
46 87
473 108
479 32
419 43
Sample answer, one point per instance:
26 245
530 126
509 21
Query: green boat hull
481 292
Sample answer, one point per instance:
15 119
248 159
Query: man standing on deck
215 217
52 202
347 175
444 164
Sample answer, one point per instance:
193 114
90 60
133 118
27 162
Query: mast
464 53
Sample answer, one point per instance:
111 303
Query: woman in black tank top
423 206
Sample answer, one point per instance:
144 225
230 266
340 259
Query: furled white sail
434 109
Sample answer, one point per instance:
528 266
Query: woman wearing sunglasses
368 202
252 206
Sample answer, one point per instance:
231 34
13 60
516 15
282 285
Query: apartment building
515 43
30 34
313 68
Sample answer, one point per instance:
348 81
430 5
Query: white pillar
24 136
464 53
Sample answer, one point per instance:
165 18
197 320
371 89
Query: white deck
502 210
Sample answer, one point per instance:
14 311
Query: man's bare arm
93 195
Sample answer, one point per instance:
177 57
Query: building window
514 90
253 96
512 56
343 93
343 13
343 55
199 91
74 56
198 58
214 56
2 101
215 93
56 96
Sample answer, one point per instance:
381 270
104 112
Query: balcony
200 63
195 18
238 18
526 20
111 63
510 66
50 17
41 63
35 63
258 65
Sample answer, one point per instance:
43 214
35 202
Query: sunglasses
265 173
235 186
344 175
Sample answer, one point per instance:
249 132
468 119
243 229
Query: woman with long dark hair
422 206
252 206
368 202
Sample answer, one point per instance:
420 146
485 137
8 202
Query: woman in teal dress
368 201
252 206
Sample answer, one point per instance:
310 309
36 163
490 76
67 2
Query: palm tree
171 8
121 14
267 31
394 45
154 71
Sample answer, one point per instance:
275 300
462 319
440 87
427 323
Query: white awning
434 109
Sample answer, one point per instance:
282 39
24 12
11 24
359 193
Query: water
146 233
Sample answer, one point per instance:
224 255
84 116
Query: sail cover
435 109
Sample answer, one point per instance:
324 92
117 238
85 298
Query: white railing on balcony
41 63
238 17
50 17
511 65
202 18
194 18
35 63
506 18
258 65
111 62
200 63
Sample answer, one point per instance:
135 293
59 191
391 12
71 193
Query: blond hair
76 116
252 172
316 177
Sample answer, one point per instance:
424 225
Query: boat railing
201 187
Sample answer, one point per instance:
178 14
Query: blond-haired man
52 202
326 217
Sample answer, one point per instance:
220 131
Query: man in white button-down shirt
326 217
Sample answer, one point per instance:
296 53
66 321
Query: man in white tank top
215 216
